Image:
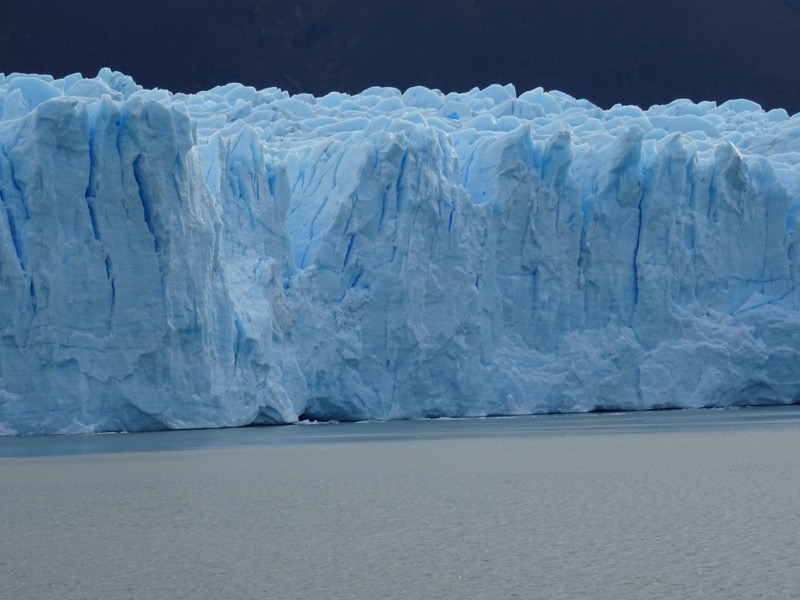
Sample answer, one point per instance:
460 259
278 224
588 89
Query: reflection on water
679 504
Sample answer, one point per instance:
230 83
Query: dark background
629 51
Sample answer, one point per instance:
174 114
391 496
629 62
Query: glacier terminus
244 256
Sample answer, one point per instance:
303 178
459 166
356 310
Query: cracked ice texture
241 256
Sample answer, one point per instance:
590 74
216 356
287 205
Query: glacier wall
242 256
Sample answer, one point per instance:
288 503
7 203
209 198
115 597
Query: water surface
679 504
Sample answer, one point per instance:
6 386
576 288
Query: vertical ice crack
636 250
15 241
399 200
347 253
384 199
238 341
92 215
12 222
91 187
111 280
32 291
450 230
146 201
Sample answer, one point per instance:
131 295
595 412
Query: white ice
240 256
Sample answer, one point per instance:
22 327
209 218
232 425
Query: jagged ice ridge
241 256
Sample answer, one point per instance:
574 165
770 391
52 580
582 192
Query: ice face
241 256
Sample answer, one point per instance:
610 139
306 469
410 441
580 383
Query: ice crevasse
241 256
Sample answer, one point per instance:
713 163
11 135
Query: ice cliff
242 256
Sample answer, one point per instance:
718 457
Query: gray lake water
680 504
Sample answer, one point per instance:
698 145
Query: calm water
685 504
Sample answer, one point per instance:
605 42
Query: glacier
243 256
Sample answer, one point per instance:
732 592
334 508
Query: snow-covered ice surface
242 256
